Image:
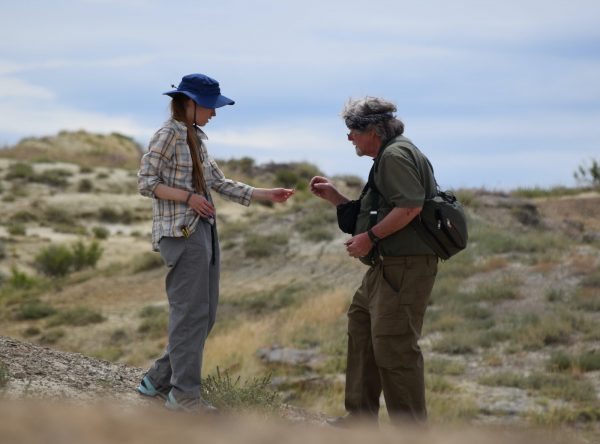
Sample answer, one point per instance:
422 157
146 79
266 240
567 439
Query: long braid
198 170
178 113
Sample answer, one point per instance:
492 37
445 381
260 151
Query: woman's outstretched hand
276 195
279 195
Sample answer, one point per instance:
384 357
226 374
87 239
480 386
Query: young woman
178 174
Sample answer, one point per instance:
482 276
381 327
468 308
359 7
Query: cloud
10 67
22 120
16 88
302 138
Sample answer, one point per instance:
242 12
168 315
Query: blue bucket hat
201 89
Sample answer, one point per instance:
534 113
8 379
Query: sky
497 94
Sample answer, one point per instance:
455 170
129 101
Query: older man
386 313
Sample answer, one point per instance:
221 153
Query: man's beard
359 152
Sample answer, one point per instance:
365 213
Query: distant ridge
79 147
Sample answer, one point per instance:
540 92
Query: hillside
79 147
510 336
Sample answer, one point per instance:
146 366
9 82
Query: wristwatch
372 236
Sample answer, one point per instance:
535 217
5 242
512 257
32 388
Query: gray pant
192 286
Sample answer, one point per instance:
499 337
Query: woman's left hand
278 195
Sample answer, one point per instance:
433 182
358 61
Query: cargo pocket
393 343
386 301
416 284
171 250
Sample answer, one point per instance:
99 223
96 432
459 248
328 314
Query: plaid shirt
168 161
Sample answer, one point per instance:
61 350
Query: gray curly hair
373 113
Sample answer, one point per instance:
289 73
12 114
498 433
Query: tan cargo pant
384 326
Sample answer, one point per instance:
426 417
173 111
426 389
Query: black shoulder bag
347 213
442 223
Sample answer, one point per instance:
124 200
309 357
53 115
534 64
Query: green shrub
34 309
588 174
351 181
16 229
441 366
85 169
20 171
21 280
259 246
4 375
150 311
534 192
119 336
317 226
78 316
147 261
31 331
586 298
489 240
101 232
52 336
244 165
229 394
268 300
586 362
288 179
86 256
57 215
496 292
467 197
459 343
108 353
438 384
318 234
2 251
591 281
554 385
58 260
533 332
555 295
589 361
54 177
24 216
55 260
85 186
155 321
127 216
109 215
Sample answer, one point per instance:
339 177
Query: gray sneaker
190 405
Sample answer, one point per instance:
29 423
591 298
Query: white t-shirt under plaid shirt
169 162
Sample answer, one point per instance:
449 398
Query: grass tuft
553 385
4 375
227 393
78 316
259 246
